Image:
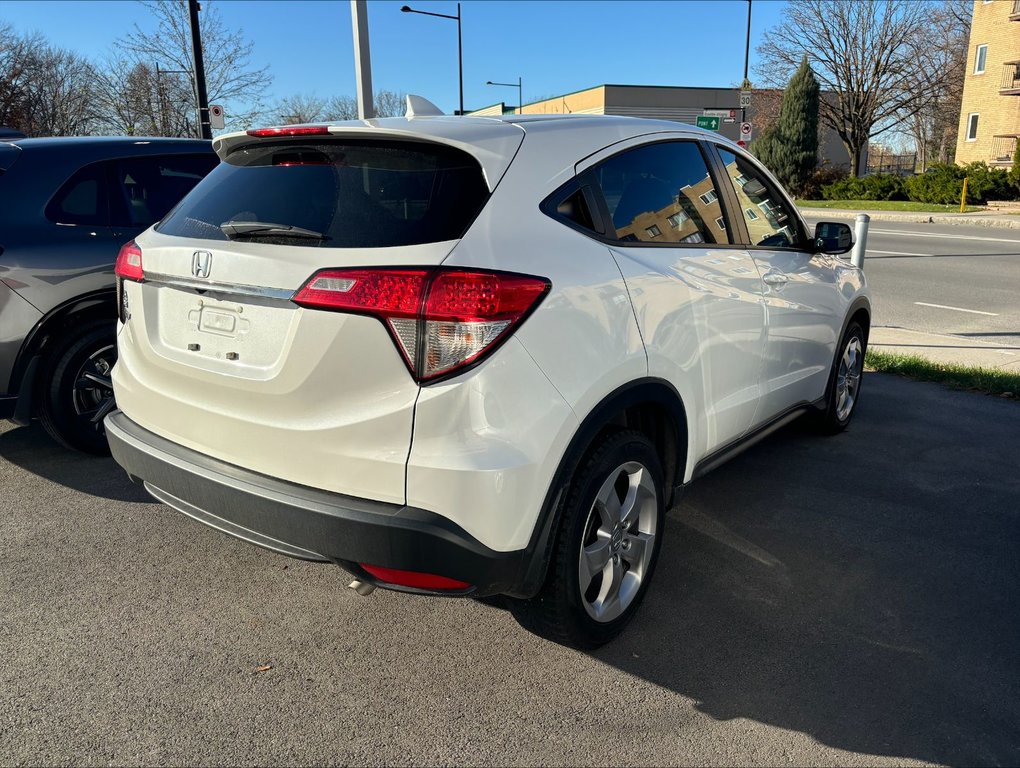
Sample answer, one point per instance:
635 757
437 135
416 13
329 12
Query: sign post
745 131
216 121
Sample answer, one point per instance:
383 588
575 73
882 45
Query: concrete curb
1003 221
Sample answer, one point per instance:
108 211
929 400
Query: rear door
800 289
696 295
217 356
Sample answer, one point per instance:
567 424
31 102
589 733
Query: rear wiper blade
234 229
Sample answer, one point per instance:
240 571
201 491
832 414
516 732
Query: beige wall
998 114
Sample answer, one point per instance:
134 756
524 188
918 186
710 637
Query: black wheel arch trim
23 372
640 391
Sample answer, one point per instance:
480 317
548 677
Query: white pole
861 238
362 58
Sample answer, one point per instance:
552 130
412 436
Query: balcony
1003 147
1009 85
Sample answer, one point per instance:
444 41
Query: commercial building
682 104
990 110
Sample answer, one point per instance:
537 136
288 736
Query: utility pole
746 85
204 129
362 59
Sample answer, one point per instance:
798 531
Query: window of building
720 223
750 213
980 59
740 179
972 124
659 193
677 219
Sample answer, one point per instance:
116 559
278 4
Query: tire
619 555
845 379
75 392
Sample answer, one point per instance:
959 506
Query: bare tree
231 78
940 53
293 110
44 90
340 108
862 51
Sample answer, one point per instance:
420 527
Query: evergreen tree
790 148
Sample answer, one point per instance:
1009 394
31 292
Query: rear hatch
219 351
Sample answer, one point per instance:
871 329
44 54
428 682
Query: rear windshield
334 194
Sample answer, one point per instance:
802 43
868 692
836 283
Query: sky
555 46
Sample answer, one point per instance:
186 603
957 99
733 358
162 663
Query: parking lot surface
847 600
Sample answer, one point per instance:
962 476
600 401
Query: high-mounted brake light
441 319
129 262
414 578
290 130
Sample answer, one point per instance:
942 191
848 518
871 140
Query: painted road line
896 253
956 309
943 237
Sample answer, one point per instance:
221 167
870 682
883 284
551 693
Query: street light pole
747 56
196 51
520 92
460 45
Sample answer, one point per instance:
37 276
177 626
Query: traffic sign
709 122
745 131
742 144
745 99
216 116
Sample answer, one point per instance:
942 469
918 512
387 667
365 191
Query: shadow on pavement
862 589
31 449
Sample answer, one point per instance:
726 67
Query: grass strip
886 205
990 381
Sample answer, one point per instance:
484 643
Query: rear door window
770 220
338 193
662 193
146 188
81 199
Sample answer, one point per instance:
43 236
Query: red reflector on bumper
413 578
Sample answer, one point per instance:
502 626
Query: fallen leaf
264 668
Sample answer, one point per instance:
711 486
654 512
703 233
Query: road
850 600
972 273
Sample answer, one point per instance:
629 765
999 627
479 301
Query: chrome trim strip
206 286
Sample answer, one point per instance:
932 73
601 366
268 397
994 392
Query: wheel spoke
608 503
608 604
90 380
593 560
629 508
104 409
637 548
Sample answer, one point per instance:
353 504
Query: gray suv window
82 199
146 188
662 193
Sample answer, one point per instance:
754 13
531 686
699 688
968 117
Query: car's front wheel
607 545
844 390
75 391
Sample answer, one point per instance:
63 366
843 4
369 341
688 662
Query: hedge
941 183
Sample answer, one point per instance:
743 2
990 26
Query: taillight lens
414 579
441 320
129 262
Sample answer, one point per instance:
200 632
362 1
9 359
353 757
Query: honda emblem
201 263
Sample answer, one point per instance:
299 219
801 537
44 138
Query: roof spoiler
418 106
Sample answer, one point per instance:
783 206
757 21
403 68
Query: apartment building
990 110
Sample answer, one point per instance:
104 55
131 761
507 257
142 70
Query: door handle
775 278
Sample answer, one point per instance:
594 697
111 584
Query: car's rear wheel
845 381
76 393
607 545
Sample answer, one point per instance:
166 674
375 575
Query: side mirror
833 237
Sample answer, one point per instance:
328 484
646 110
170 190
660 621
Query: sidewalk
980 219
941 348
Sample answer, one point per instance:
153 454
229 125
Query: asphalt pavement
849 600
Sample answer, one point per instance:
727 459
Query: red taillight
291 130
414 579
441 320
129 262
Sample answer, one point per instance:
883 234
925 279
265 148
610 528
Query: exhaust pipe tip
363 588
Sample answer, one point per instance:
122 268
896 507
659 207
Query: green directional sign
709 122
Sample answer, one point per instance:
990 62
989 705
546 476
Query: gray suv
68 205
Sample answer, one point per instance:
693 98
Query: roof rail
418 106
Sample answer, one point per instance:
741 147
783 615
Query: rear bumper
307 523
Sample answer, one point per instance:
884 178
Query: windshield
347 193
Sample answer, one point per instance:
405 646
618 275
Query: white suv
476 356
